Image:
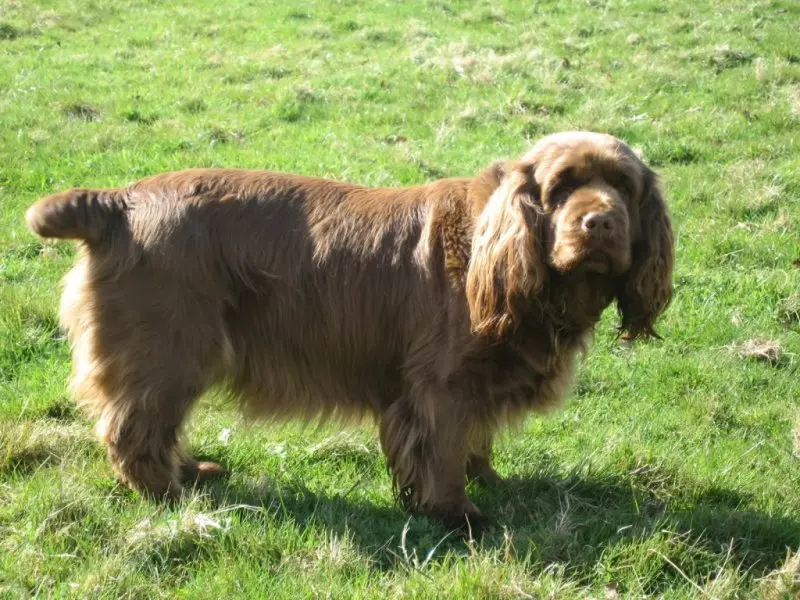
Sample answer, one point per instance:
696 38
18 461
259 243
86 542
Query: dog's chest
524 370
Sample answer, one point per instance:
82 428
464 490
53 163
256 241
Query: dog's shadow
548 516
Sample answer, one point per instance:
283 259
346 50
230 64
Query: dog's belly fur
293 358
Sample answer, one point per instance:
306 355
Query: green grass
674 469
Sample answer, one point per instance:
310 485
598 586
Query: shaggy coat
444 310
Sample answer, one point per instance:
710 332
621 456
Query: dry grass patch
81 111
783 583
29 446
759 349
789 310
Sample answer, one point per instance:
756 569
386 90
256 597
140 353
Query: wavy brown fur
444 310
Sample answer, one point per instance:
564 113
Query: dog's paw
466 520
488 478
196 471
480 470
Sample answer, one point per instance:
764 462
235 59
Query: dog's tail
77 214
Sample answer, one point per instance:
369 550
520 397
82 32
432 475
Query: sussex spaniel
444 310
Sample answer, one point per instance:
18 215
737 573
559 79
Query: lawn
674 469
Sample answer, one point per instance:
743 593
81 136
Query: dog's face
578 201
588 185
589 226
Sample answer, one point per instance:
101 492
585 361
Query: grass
674 470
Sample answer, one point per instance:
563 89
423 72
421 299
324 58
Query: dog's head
577 202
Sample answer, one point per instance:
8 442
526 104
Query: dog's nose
597 223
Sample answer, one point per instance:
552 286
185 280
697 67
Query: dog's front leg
479 463
425 436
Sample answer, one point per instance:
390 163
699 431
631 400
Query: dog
445 310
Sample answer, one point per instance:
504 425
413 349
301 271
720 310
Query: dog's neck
547 338
576 299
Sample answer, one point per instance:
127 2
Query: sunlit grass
672 472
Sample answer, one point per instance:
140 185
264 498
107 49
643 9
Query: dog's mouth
597 261
594 260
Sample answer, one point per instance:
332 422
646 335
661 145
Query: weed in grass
789 310
133 115
81 111
302 103
194 106
725 57
8 32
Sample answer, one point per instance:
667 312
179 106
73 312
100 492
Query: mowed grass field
673 471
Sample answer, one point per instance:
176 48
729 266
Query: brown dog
444 310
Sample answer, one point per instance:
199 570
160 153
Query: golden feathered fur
444 310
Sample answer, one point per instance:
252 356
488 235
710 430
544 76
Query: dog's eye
566 184
560 192
559 196
622 183
625 188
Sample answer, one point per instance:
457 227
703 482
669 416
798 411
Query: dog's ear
506 269
646 291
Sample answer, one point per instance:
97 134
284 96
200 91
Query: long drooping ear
506 269
646 291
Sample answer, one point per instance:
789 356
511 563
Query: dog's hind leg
141 429
143 352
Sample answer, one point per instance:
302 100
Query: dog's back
306 295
